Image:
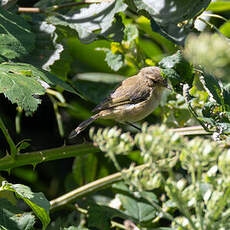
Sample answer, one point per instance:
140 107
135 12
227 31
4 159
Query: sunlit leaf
114 61
94 18
173 11
21 83
165 16
219 6
225 29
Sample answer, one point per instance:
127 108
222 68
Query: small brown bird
133 100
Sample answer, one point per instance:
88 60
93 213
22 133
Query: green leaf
96 86
212 86
226 94
20 88
177 70
145 26
97 17
139 208
180 65
173 11
165 16
13 218
130 32
37 201
115 61
219 6
100 216
16 39
21 83
225 29
85 169
39 74
208 108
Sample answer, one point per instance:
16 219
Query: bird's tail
83 126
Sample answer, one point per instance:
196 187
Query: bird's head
154 74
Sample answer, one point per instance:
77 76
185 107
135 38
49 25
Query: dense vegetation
58 59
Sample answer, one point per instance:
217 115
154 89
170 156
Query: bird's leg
134 126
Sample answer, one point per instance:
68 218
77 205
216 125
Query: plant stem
215 16
114 160
33 158
18 120
55 7
117 225
13 148
58 116
193 130
212 27
88 188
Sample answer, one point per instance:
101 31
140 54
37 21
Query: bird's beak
168 87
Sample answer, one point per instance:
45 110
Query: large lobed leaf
16 39
20 83
97 17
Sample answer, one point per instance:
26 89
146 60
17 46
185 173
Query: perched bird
133 100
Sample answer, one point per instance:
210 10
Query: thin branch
57 7
215 16
33 158
193 130
30 10
212 27
88 188
58 116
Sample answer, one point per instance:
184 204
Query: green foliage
70 49
202 192
37 201
100 216
21 82
219 6
165 18
13 218
95 17
103 84
136 207
177 70
16 39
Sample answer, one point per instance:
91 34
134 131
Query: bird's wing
132 90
